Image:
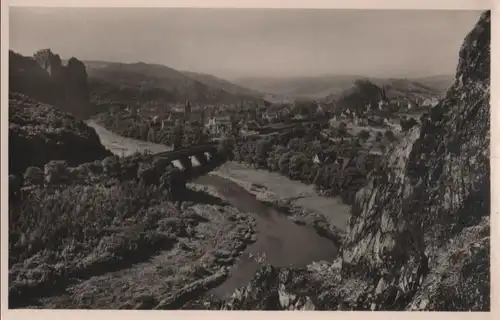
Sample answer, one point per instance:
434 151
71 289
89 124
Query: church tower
187 111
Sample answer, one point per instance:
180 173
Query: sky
236 43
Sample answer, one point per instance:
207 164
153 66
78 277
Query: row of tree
178 135
292 153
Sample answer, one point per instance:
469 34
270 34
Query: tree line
178 135
292 154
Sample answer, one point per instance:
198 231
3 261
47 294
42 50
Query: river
123 146
283 242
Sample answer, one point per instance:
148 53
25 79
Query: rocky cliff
423 224
46 79
419 234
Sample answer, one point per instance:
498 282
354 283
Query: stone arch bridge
194 161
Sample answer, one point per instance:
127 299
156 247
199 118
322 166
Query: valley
142 186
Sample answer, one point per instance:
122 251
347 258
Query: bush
73 228
406 125
364 135
389 136
342 129
290 153
57 172
34 176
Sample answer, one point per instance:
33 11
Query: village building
409 105
250 125
429 102
299 117
132 111
320 109
218 124
270 115
383 104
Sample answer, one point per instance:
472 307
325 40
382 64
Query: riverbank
304 205
280 241
123 146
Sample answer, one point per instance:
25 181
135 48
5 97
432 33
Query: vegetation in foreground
71 220
39 133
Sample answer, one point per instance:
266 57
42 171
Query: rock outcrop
434 196
363 96
39 133
46 79
419 234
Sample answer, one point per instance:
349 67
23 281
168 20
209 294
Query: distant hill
330 86
395 89
159 84
364 92
356 98
299 87
439 82
215 82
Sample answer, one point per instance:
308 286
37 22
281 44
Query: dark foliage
291 153
39 133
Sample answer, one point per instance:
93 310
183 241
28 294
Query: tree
319 178
143 131
364 135
234 126
342 129
263 148
406 125
389 135
177 136
284 163
151 135
226 148
297 162
34 176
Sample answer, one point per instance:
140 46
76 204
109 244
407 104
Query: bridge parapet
194 161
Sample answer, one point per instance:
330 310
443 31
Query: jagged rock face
435 186
419 234
49 62
46 79
76 84
39 133
27 77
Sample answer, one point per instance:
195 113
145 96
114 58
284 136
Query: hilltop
438 82
159 84
329 87
216 82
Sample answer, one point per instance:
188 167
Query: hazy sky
252 42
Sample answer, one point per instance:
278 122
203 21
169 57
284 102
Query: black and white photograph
248 159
